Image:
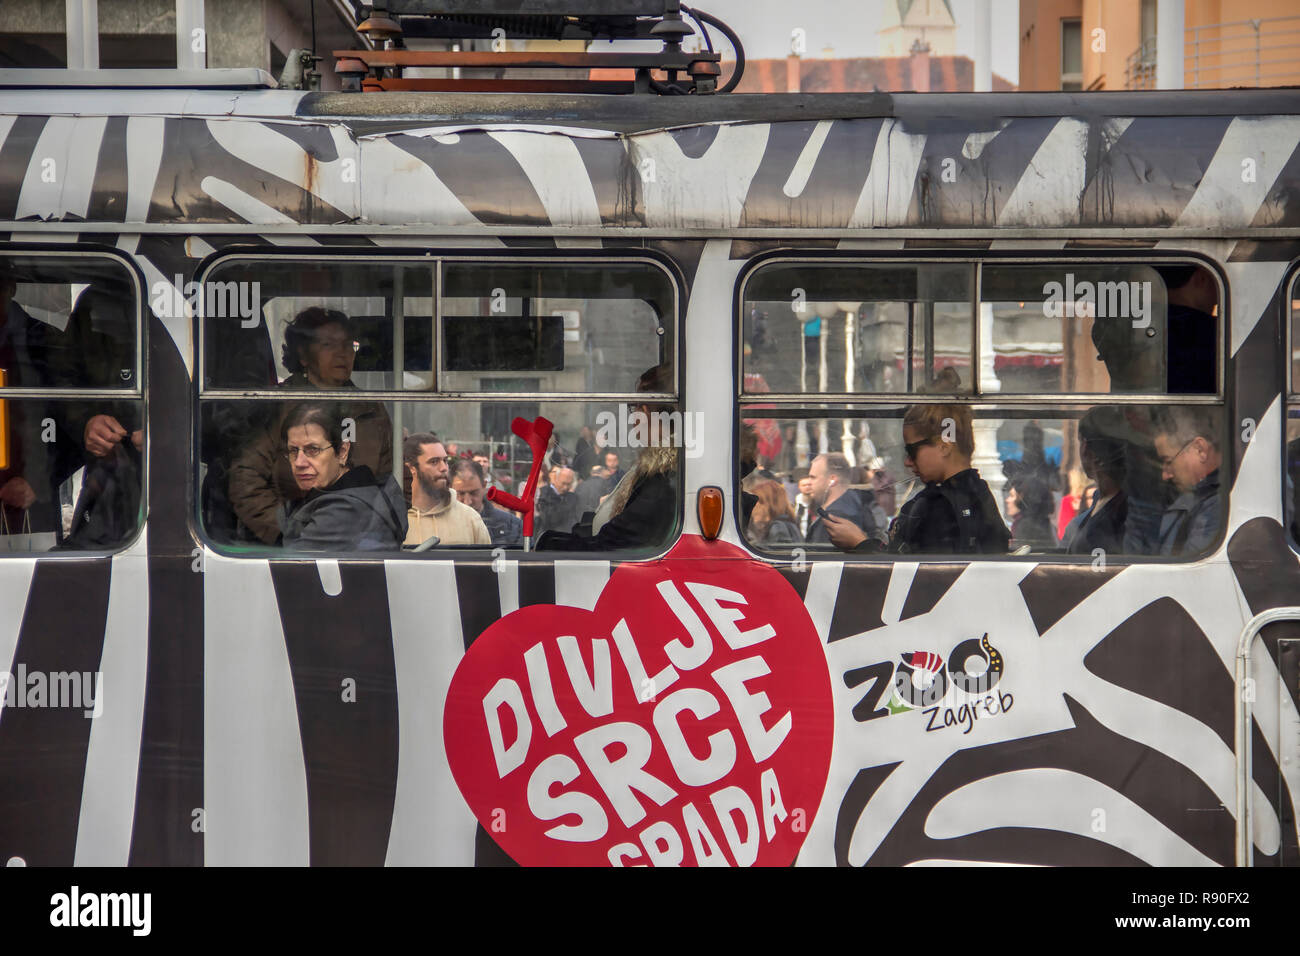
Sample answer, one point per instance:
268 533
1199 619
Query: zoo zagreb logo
956 694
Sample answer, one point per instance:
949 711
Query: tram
798 271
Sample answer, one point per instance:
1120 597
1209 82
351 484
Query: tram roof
234 93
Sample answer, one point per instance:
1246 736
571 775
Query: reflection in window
861 328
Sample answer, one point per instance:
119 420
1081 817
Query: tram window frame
1291 397
137 393
203 393
1048 404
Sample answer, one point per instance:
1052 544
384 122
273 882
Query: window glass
71 466
575 327
69 322
1110 328
318 323
254 495
859 328
534 339
56 493
1102 480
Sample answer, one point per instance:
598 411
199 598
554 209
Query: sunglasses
912 447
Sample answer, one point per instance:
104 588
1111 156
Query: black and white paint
226 737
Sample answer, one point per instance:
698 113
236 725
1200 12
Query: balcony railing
1261 52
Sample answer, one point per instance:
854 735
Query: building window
1071 54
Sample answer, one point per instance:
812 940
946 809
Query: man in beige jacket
434 509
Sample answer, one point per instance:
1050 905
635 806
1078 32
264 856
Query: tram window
531 338
578 327
70 320
860 328
71 462
266 323
1117 328
1146 482
988 474
251 493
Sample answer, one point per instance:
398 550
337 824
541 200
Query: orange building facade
1111 44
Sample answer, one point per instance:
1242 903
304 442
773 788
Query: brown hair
931 420
413 443
771 498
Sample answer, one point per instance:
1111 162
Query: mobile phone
822 513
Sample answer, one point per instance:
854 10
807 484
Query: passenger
772 522
319 352
97 349
1029 504
641 510
1102 452
1187 443
434 509
955 512
831 476
29 482
342 508
1191 330
595 487
586 451
504 528
557 504
616 473
803 503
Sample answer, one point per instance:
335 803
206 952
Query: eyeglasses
311 451
1169 462
912 447
339 345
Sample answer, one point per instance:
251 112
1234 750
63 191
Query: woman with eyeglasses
319 351
343 507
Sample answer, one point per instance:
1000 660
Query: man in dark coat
467 481
830 476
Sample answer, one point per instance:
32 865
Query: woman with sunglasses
343 507
955 512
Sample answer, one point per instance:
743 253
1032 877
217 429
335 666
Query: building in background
919 71
908 23
1111 44
142 33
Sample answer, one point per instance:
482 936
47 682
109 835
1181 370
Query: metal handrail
1207 45
1245 853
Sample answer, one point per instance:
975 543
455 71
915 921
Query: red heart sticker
687 720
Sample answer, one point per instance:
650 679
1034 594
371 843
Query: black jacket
954 516
646 521
1105 529
356 513
857 505
505 529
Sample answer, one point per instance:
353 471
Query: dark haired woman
319 351
1102 452
343 507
